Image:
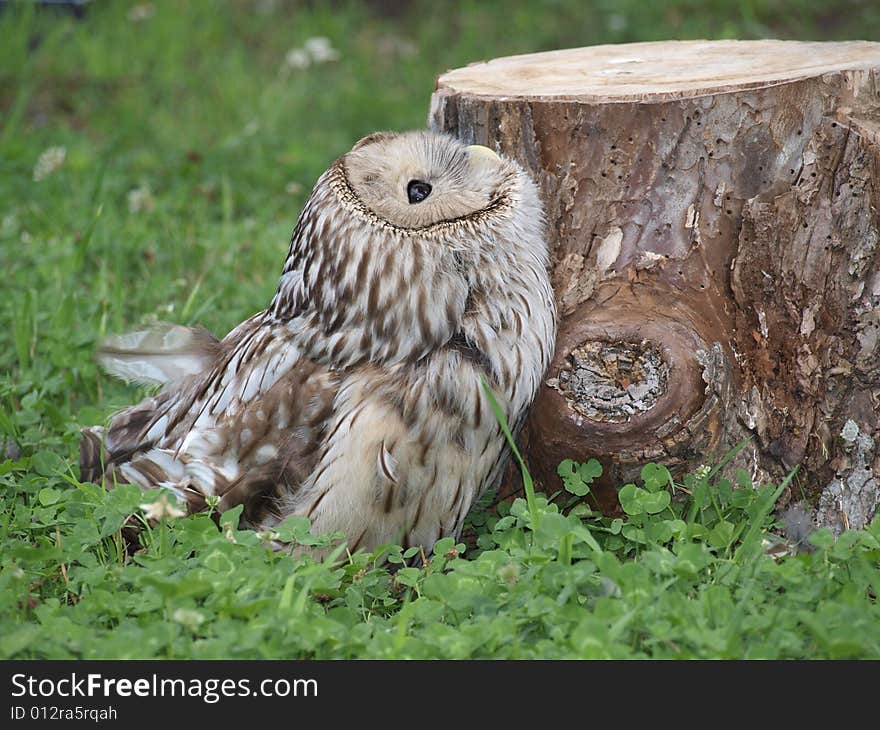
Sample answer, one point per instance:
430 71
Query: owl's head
416 180
404 235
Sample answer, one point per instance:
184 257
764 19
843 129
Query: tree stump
713 216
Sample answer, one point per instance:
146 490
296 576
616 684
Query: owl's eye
417 191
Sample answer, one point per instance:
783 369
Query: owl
417 271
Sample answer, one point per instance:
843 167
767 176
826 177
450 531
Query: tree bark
715 238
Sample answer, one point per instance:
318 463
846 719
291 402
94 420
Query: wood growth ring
611 381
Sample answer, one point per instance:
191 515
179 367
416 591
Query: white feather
162 354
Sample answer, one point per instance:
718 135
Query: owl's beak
478 152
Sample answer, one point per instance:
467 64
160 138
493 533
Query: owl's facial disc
418 179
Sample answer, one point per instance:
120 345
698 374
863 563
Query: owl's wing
247 426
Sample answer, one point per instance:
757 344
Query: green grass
189 152
675 578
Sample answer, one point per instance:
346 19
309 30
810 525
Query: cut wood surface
713 218
655 71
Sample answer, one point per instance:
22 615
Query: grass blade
528 484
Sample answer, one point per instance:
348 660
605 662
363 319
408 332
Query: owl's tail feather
164 353
130 432
191 481
92 454
195 481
